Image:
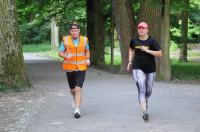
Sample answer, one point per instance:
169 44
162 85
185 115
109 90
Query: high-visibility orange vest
76 55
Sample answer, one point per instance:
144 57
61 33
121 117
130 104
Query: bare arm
130 58
152 52
62 55
130 55
155 53
87 54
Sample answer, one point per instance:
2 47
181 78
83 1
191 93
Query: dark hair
71 25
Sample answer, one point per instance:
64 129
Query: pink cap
143 24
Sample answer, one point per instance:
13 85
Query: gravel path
110 104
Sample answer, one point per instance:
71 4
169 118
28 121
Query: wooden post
54 35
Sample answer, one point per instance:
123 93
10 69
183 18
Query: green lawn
117 56
185 70
36 48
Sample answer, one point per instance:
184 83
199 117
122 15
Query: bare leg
143 106
78 96
73 93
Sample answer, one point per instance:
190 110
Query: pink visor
143 24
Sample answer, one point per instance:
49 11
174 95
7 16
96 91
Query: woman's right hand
129 65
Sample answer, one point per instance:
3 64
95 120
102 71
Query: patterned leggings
144 82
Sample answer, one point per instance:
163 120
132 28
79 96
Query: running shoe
145 116
77 113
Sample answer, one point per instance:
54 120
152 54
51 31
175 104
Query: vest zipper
76 59
76 51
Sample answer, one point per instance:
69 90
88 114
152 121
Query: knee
148 93
141 83
142 99
77 89
72 90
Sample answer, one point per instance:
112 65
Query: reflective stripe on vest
74 62
74 54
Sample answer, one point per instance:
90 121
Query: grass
51 54
193 54
185 70
117 56
36 47
43 49
173 46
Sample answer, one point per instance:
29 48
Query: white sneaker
77 113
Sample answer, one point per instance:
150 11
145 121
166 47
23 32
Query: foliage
35 17
2 87
34 32
66 11
194 21
185 71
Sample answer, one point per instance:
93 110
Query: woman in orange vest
75 51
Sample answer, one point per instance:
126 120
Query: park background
33 87
110 25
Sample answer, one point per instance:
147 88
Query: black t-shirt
143 60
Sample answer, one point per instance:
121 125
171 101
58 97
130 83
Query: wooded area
170 21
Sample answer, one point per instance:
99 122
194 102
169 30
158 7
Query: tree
164 71
90 26
150 12
156 14
184 31
12 68
35 18
95 29
123 16
99 33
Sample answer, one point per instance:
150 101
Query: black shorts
75 78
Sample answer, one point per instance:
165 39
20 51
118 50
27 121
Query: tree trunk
156 14
184 31
12 68
95 30
99 34
112 39
150 12
164 70
90 27
54 35
123 16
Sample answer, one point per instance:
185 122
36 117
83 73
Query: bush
2 87
34 32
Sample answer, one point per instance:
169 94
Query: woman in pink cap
142 53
